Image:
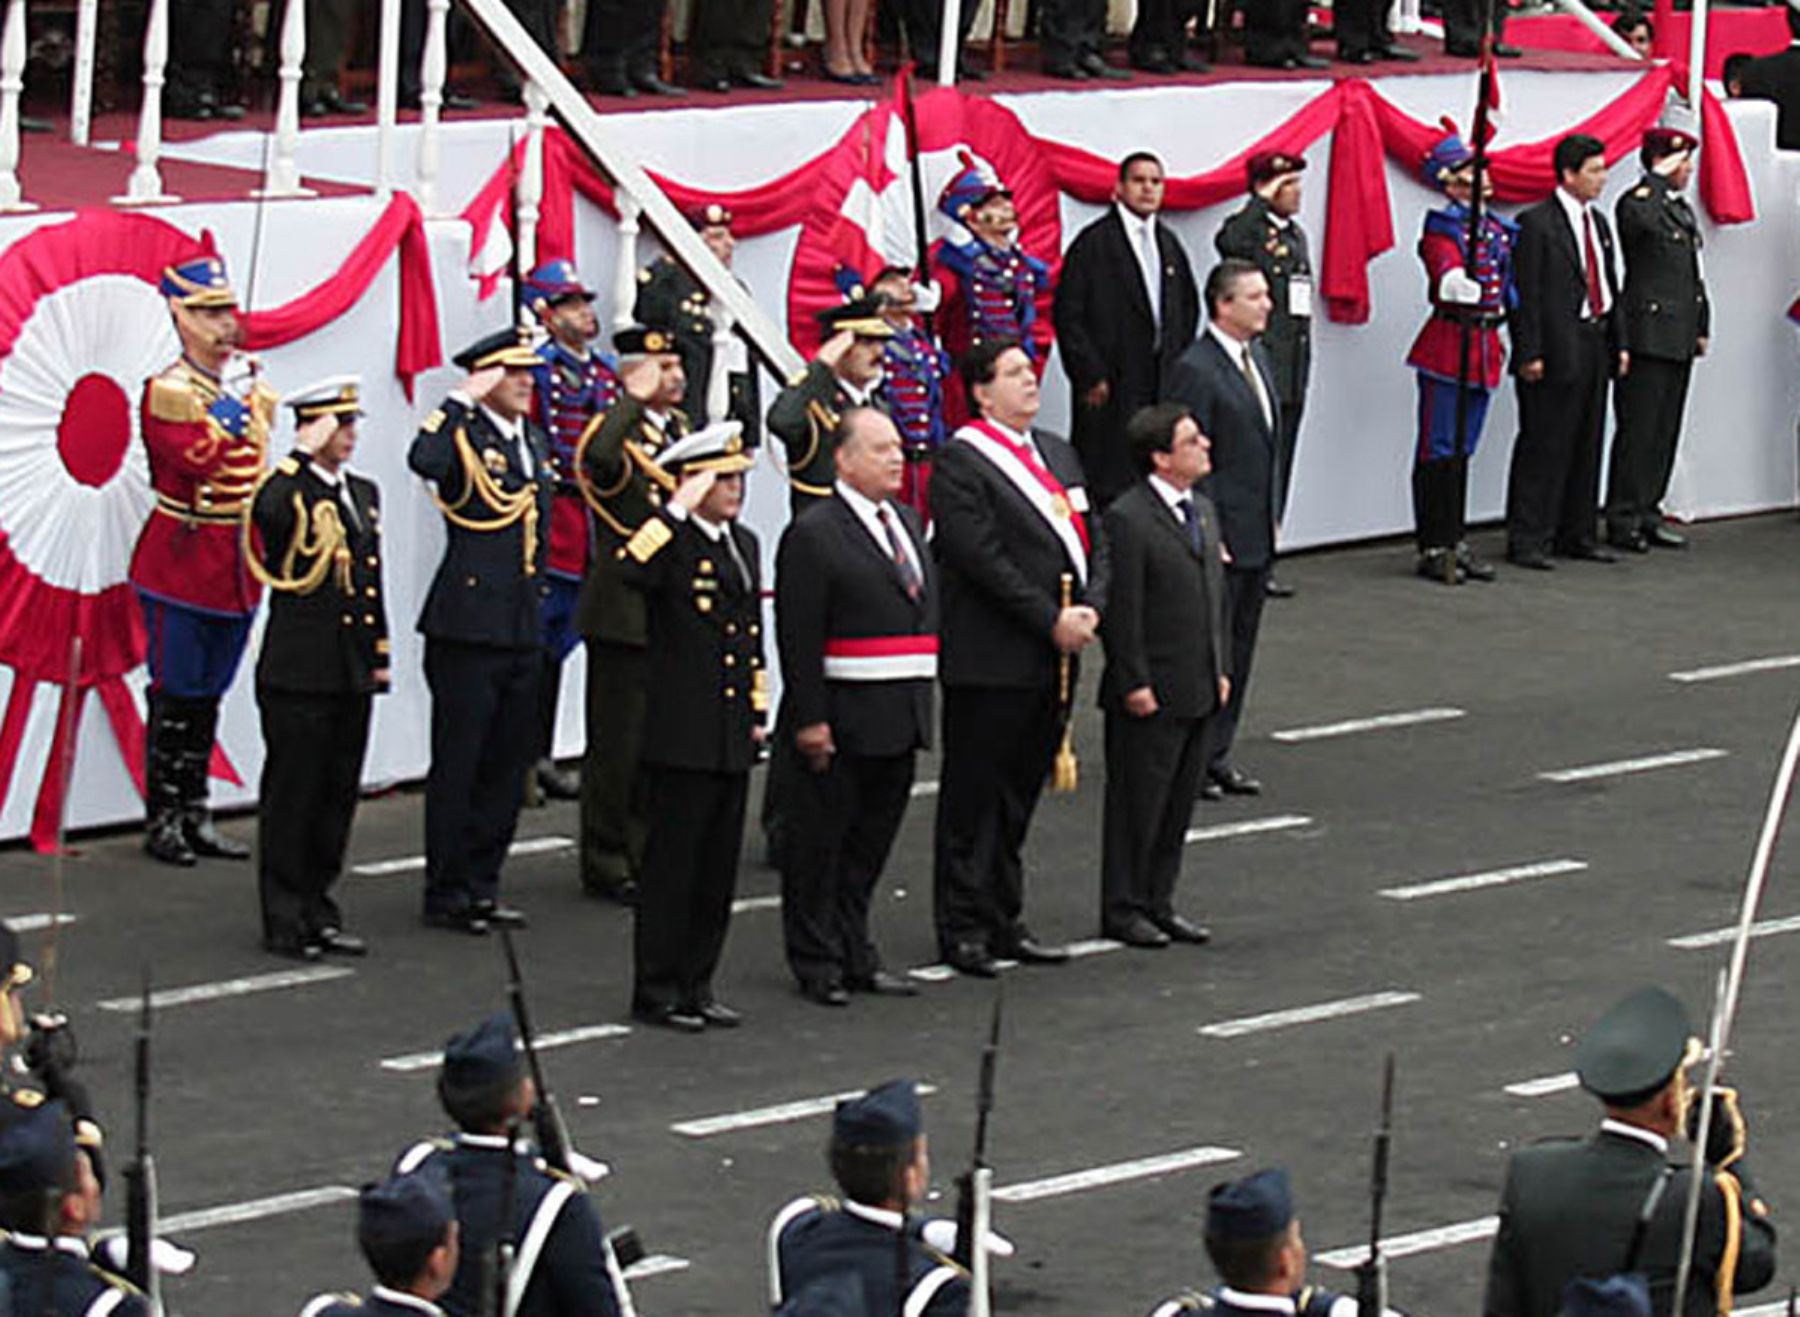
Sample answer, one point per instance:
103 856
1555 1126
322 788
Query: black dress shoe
314 109
720 86
1632 543
1193 64
1591 553
1275 589
206 841
294 948
341 106
1475 569
1139 932
1155 62
456 100
656 86
1357 56
1461 51
1661 537
669 1017
823 992
229 113
1210 790
500 916
884 983
761 81
1071 72
1099 68
1507 52
166 840
1310 62
339 943
1027 950
557 783
1235 781
1535 560
1399 54
457 921
717 1014
973 959
1439 565
625 893
601 87
1179 928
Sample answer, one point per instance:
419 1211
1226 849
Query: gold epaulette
943 1259
88 1134
174 400
287 466
432 423
1643 191
651 539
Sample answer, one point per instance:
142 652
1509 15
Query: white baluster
12 85
718 387
387 97
145 187
531 176
283 178
433 68
625 269
81 90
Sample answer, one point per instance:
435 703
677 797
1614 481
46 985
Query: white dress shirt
1575 211
868 512
1140 232
1638 1132
1174 498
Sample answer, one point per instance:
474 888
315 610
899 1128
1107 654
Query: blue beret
555 280
407 1209
504 347
484 1057
199 282
37 1150
1626 1295
1254 1207
1636 1047
884 1117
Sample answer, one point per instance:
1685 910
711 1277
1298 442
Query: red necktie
1596 297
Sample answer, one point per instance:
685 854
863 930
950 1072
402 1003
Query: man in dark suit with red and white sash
1010 523
856 615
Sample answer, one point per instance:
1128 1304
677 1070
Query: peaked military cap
861 316
406 1209
885 1117
710 216
1636 1047
641 340
340 395
716 447
1255 1207
484 1057
1661 141
199 282
37 1150
556 281
509 347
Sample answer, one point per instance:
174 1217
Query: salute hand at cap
692 491
834 349
927 297
1726 1134
483 382
642 378
316 433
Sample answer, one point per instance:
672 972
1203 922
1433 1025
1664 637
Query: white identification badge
1078 498
1300 298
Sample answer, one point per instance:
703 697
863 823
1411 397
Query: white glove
1458 288
587 1169
927 296
238 375
940 1233
169 1258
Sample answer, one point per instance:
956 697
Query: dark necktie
1595 294
1191 516
737 559
903 563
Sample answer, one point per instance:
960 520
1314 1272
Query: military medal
1060 506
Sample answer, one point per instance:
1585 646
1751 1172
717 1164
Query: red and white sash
1062 510
881 658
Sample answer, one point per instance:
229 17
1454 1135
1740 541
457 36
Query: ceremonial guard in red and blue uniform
990 284
574 384
1464 309
914 369
205 422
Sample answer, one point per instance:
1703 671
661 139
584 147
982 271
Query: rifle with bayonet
1371 1273
621 1246
140 1175
506 1242
974 1186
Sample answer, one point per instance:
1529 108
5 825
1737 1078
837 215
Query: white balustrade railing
145 186
387 96
625 266
12 85
282 178
530 189
81 87
433 69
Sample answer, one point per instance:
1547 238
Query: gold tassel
1065 770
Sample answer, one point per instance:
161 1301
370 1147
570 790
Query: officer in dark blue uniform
406 1228
39 1169
1253 1239
561 1265
882 1167
494 482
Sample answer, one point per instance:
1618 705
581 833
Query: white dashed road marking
1470 882
1381 722
416 863
779 1114
1420 1241
1738 669
1620 767
1328 1010
1247 828
1098 1177
586 1033
202 992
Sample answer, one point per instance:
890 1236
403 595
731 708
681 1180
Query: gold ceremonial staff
1065 772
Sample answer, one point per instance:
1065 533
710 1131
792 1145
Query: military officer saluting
325 655
561 1264
489 465
706 703
669 296
882 1167
205 422
1614 1202
1265 232
1667 322
574 384
624 485
846 373
406 1229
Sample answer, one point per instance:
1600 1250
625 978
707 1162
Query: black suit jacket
833 582
1568 1210
1002 568
486 591
1666 310
1552 283
1244 480
1105 332
330 638
1777 78
1165 608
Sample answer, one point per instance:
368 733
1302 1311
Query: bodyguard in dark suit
1011 523
489 463
1568 339
616 464
1165 674
856 618
1667 322
1777 78
1572 1208
325 654
1126 308
706 700
846 373
1226 382
1265 233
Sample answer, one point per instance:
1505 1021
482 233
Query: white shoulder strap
926 1290
414 1157
323 1303
108 1300
783 1219
542 1221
